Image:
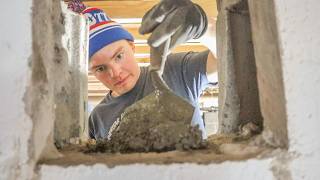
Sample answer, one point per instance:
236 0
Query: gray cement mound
152 129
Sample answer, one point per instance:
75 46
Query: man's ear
132 46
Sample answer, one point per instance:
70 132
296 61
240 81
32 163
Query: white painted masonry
16 126
252 169
299 35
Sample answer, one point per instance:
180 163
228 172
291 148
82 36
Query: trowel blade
161 104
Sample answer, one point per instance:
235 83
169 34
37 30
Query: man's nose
114 71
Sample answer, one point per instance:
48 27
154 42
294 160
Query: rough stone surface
49 97
35 75
269 72
238 91
71 94
161 126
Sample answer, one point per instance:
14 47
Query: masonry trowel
162 102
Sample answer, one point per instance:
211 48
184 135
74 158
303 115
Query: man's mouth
121 82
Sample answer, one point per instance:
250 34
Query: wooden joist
196 47
137 8
134 30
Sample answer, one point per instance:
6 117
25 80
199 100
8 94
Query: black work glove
179 19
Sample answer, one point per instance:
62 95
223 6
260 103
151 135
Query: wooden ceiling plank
134 30
196 47
123 9
136 9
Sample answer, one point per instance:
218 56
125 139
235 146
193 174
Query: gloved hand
179 19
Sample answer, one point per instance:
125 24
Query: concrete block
71 94
269 72
238 91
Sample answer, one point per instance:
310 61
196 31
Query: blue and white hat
103 30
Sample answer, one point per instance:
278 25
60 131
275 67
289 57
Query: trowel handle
158 56
158 61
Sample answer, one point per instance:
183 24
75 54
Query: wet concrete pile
159 127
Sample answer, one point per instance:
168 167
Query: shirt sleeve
188 70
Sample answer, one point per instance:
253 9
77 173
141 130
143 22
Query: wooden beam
97 95
123 9
134 30
137 8
196 47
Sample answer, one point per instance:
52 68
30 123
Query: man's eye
119 56
100 69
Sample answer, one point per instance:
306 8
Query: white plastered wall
15 49
299 36
299 41
34 70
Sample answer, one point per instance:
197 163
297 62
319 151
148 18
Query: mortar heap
157 128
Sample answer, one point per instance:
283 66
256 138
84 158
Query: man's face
115 66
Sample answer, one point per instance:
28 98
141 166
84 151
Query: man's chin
125 90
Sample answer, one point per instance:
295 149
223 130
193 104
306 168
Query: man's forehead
105 54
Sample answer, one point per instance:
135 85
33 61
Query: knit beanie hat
103 30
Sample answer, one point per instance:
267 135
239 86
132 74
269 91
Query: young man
111 60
